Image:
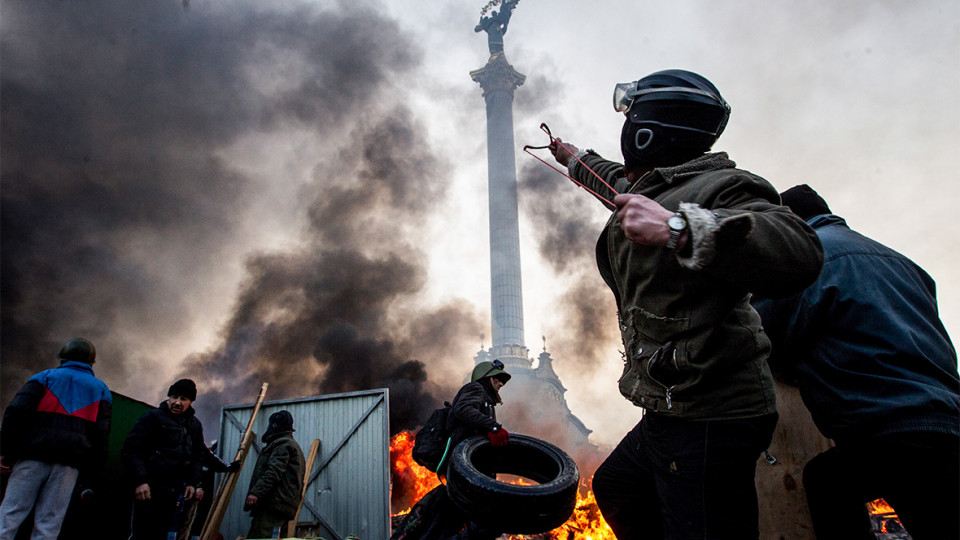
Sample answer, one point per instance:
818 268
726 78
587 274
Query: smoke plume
126 198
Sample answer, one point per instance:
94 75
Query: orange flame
890 522
880 506
411 482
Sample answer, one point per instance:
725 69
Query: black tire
512 508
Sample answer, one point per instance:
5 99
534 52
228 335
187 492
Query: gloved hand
234 467
498 437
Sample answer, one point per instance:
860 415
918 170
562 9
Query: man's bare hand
643 219
142 492
189 492
562 152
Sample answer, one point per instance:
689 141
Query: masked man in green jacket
277 482
690 238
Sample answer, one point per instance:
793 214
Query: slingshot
553 141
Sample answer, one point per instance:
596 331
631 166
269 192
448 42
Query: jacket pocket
653 368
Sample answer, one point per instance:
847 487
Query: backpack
430 444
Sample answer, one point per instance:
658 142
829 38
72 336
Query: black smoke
118 204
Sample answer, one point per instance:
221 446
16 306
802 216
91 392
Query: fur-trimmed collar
714 161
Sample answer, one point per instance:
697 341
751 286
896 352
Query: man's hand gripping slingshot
561 151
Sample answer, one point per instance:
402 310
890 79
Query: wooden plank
212 525
311 456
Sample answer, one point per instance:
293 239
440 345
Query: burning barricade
527 489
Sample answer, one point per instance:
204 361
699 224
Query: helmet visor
622 96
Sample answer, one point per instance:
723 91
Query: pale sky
193 185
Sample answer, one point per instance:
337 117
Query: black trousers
154 518
918 474
680 479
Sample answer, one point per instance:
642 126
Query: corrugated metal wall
349 492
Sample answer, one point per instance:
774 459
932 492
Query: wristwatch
677 224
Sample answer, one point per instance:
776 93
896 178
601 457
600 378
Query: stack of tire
507 507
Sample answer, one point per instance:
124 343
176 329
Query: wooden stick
184 532
212 525
311 456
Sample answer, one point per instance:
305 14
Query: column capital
498 75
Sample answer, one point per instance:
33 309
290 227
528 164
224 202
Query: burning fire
411 482
885 517
880 506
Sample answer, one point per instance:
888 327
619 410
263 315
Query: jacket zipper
668 389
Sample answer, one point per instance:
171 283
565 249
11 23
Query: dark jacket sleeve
198 448
18 416
759 245
784 320
102 429
213 462
99 434
136 448
607 174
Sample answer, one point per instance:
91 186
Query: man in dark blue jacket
55 428
878 373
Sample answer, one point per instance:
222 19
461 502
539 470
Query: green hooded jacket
277 480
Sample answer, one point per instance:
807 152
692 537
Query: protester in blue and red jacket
55 428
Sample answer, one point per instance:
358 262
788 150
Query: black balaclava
675 116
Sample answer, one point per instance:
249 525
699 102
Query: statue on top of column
495 24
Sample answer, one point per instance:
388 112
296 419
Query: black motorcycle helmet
672 116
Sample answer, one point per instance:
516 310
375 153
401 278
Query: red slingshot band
546 130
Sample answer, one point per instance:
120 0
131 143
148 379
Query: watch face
677 223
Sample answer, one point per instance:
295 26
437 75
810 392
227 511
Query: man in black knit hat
162 458
878 373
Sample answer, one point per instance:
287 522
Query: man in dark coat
878 373
277 482
472 413
163 458
690 238
54 430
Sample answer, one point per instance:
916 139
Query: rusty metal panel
349 488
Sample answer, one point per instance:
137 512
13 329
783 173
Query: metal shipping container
349 488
